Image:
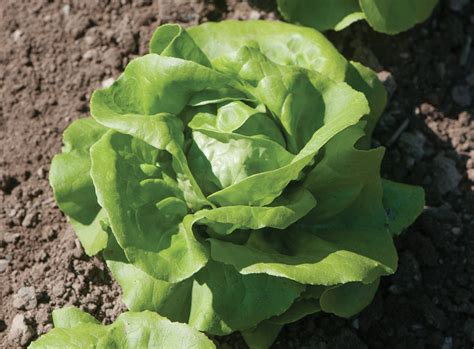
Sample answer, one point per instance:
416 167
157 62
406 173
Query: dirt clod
20 332
25 298
3 265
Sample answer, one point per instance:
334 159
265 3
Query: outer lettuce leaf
386 16
70 317
282 43
262 336
298 310
73 329
141 291
364 199
393 17
218 300
92 236
403 204
130 330
351 171
145 215
150 330
366 81
214 288
348 299
324 256
82 336
72 184
225 300
321 14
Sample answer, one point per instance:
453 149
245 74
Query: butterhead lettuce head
228 181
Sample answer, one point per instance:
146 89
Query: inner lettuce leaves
228 181
385 16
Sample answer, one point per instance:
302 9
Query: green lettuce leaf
393 17
403 204
386 16
73 187
348 299
292 46
225 300
130 330
325 256
321 14
146 217
262 336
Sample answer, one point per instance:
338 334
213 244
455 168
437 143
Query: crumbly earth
53 53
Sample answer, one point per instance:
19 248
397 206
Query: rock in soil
25 298
3 265
11 238
30 220
20 332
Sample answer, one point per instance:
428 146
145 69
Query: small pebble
41 172
66 9
90 55
107 82
388 81
3 265
78 251
25 298
456 230
17 34
30 220
254 15
11 238
447 343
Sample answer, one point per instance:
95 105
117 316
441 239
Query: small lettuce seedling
227 179
76 329
386 16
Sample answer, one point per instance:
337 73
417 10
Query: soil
54 53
